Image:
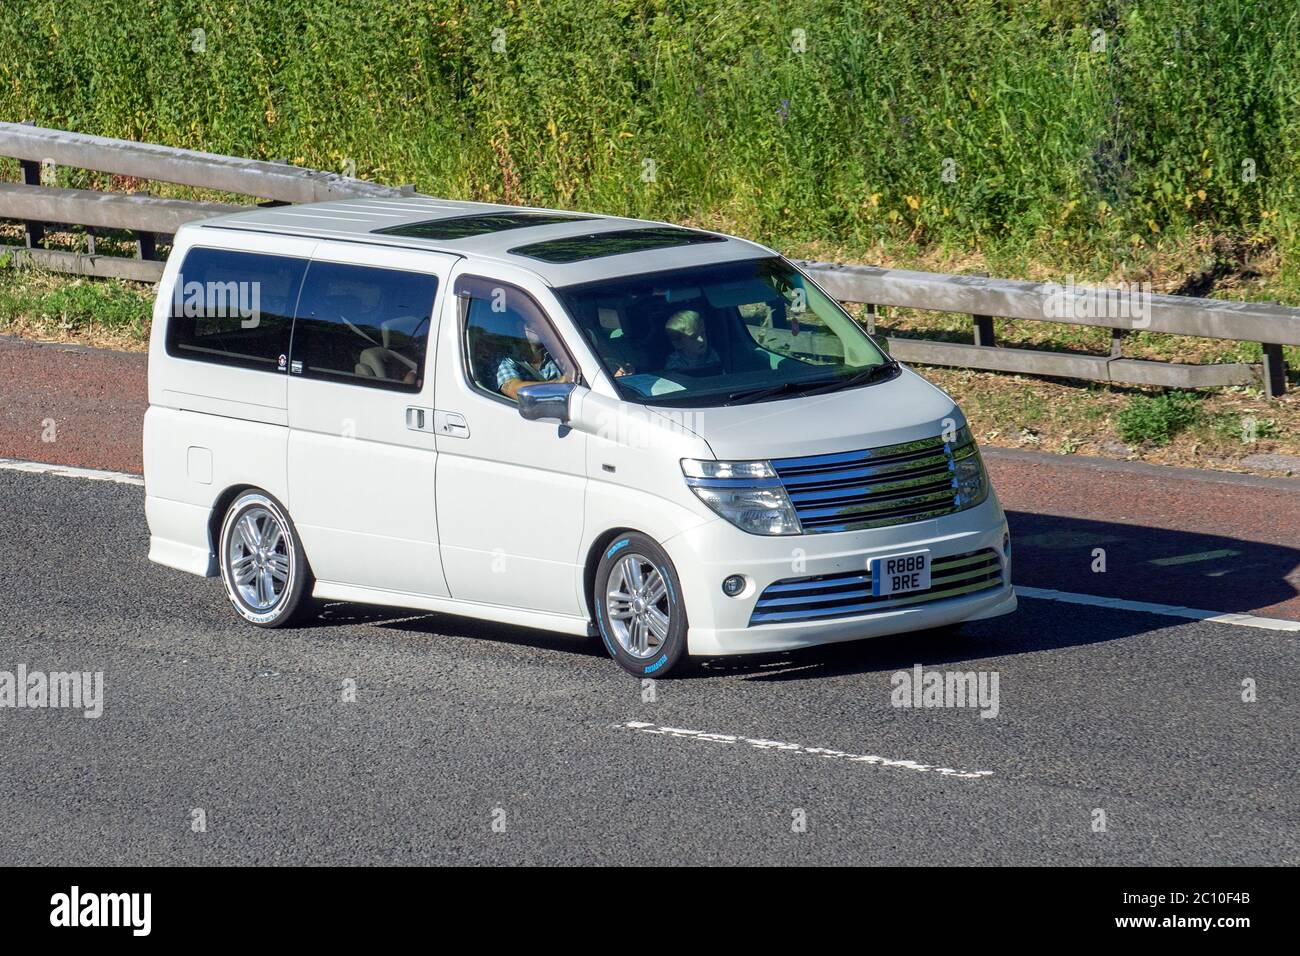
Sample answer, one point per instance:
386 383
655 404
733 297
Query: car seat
383 361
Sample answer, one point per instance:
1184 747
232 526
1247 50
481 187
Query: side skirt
561 623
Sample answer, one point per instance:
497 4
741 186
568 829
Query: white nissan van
669 440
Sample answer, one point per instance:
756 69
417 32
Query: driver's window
509 342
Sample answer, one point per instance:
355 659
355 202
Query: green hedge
1050 142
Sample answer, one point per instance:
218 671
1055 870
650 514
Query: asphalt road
458 724
1195 538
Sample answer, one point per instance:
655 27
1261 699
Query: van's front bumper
720 625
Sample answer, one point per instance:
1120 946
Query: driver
535 367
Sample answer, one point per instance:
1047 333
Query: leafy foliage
1093 125
1158 418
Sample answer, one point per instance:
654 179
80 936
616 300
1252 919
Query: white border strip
1170 610
67 471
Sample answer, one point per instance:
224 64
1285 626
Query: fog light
733 585
1006 545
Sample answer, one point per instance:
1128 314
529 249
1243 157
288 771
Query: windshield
724 334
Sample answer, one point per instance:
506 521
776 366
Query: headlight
746 493
730 470
968 468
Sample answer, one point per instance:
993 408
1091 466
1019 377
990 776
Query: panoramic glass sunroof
597 245
463 227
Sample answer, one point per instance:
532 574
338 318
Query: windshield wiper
816 386
771 391
864 377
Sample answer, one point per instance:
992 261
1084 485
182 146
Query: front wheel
639 607
262 562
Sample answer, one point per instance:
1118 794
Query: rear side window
364 326
234 308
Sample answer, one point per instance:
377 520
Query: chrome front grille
827 596
875 487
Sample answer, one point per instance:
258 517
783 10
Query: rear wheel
262 562
639 608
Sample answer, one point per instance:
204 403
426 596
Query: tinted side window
364 326
234 308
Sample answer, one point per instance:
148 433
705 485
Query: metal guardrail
1270 324
248 177
151 217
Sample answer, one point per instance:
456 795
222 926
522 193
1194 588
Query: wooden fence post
33 232
1274 370
984 325
1116 343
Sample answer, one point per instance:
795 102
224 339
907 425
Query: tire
263 566
639 609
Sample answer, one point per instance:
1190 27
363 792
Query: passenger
690 342
512 373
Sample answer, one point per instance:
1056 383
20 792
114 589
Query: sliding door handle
419 419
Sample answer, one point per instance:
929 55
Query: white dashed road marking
1171 610
758 744
1193 558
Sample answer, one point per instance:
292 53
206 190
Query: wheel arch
594 554
218 514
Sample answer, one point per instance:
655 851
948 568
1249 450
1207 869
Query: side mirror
546 400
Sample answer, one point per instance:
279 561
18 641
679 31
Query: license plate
900 573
